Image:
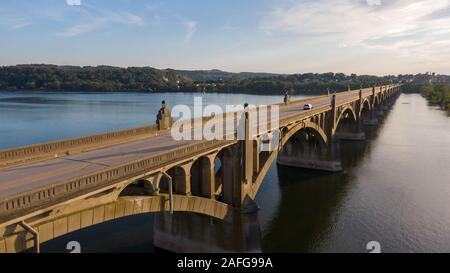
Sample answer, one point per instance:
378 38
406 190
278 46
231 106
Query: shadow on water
318 197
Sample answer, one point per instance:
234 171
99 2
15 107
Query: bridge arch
365 106
347 117
313 130
376 101
305 142
179 180
122 207
288 133
157 183
365 110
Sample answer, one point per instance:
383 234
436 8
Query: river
395 189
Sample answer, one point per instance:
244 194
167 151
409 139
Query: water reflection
188 232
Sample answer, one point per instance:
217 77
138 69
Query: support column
208 178
248 150
372 120
256 148
332 116
183 180
229 159
155 180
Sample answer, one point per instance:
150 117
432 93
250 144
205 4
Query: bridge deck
16 179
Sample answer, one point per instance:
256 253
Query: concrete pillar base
350 136
370 122
306 163
249 206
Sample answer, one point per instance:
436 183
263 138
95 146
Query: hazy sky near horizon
283 36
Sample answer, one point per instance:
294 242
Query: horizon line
217 69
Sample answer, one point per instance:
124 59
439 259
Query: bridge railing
50 148
25 201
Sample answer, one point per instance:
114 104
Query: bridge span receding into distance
51 189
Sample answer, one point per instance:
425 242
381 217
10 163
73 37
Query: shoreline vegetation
437 94
47 77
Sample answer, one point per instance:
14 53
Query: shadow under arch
222 175
147 186
376 101
347 116
267 158
365 107
125 206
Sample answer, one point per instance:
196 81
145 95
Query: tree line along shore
46 77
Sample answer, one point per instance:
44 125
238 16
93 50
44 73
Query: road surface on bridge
28 176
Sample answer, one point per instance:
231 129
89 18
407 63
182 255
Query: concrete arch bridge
51 189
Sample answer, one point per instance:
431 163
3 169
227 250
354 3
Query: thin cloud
191 28
17 23
229 27
95 19
410 27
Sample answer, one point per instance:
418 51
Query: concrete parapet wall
17 155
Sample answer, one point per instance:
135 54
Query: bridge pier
370 122
350 132
310 163
326 160
188 233
357 136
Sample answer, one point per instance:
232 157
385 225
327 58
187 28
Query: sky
377 37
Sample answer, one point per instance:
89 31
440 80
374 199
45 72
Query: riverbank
437 95
119 79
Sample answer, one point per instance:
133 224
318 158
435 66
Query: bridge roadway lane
33 175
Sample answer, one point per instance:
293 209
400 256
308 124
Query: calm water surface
395 188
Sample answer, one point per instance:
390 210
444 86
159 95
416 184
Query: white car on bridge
307 106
